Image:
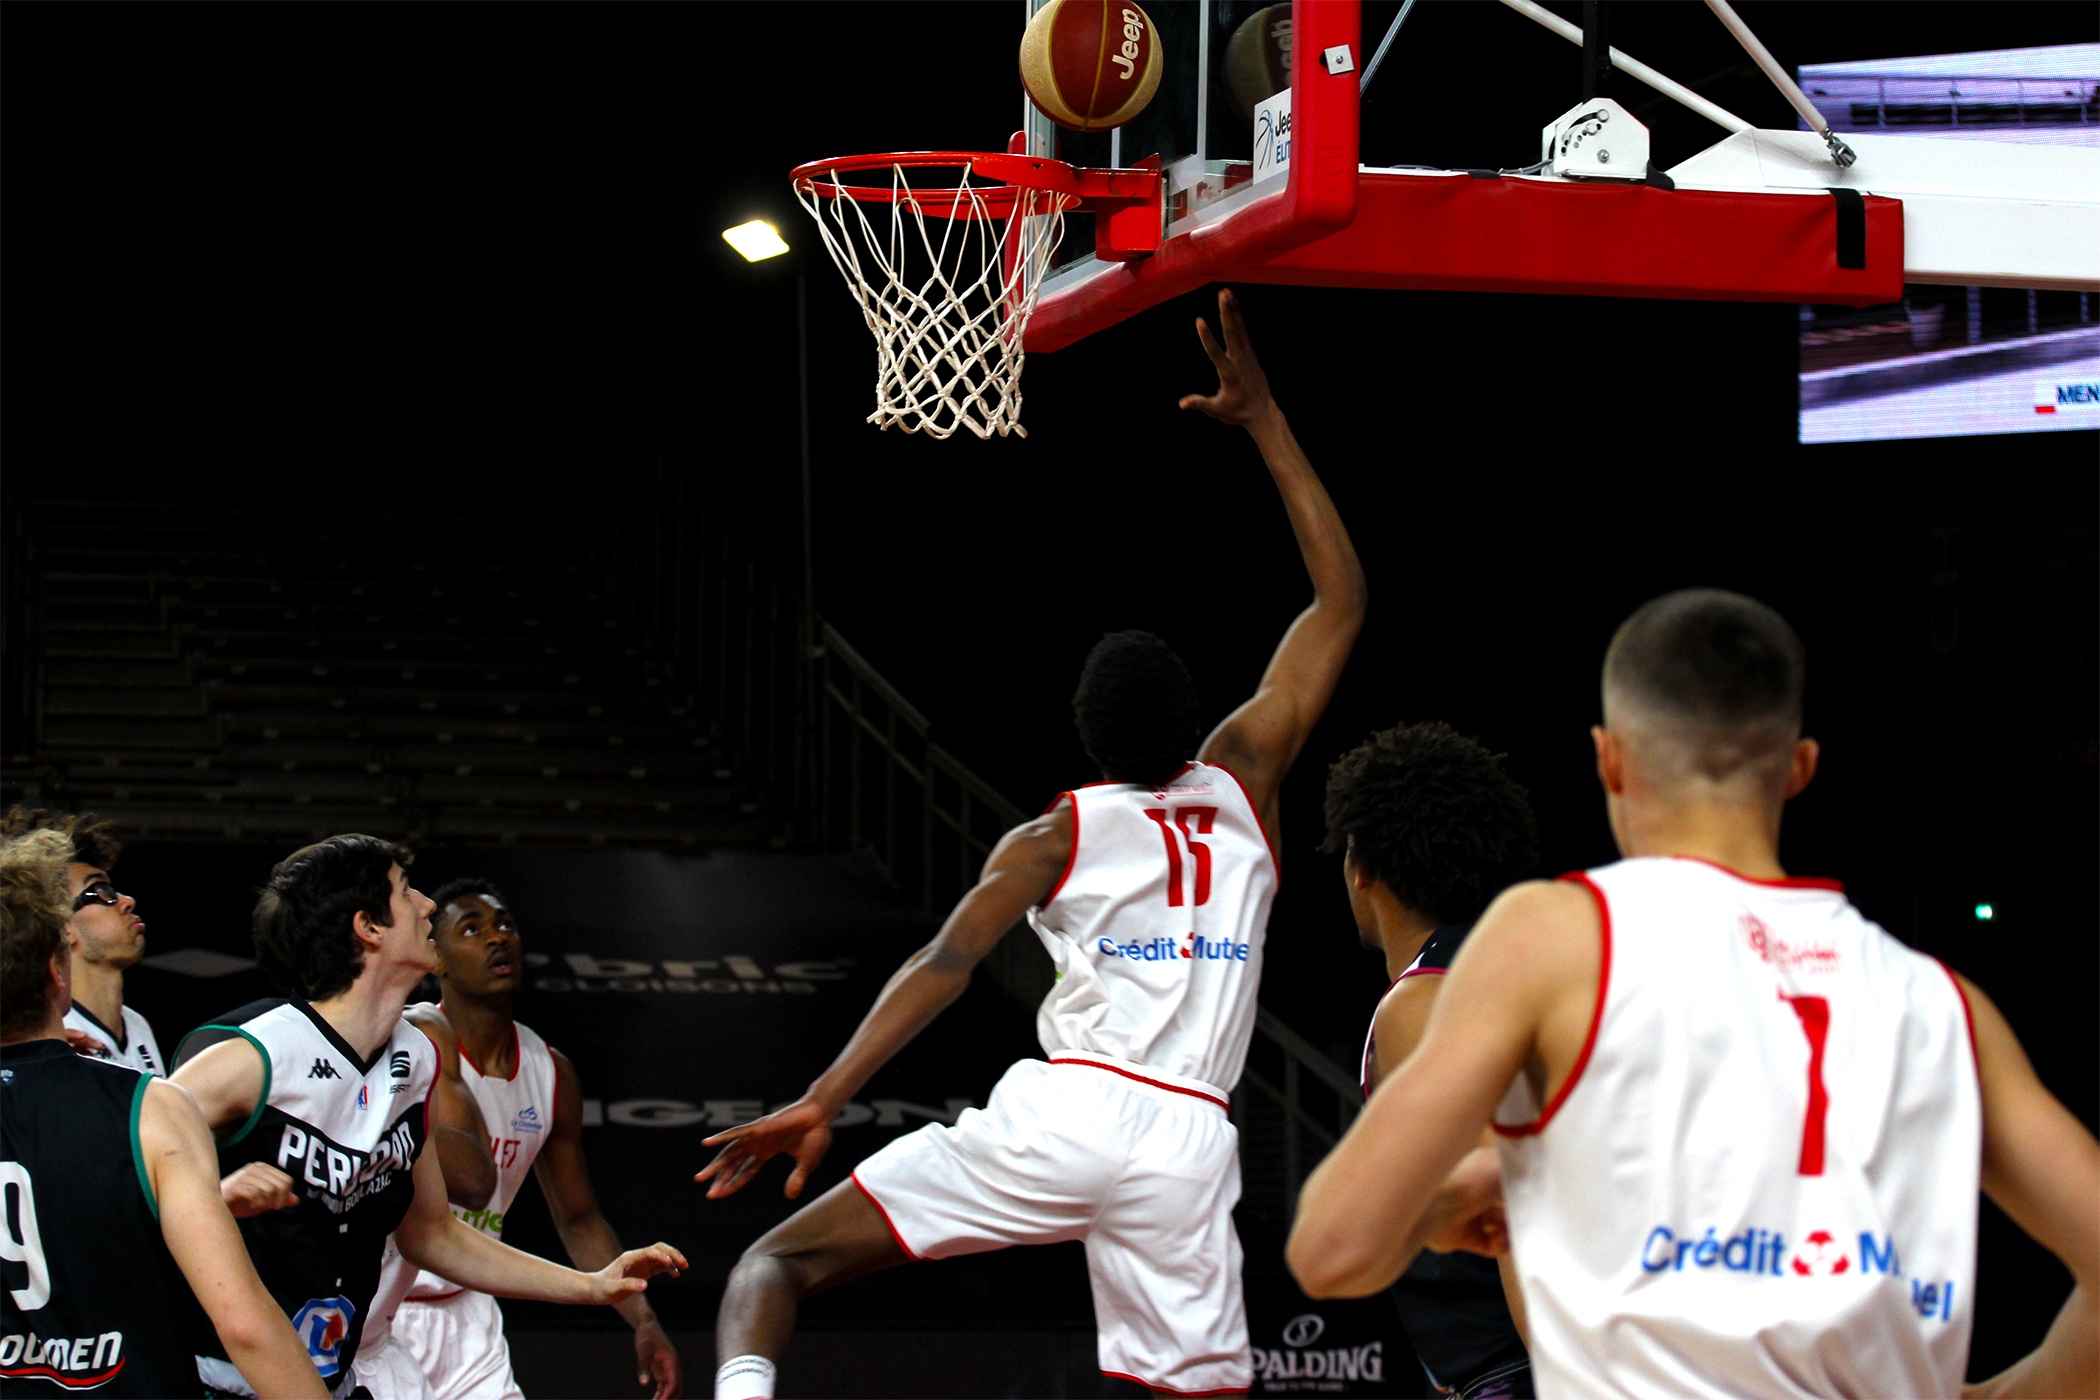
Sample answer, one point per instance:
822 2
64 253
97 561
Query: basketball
1090 65
1258 58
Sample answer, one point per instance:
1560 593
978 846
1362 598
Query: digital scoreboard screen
1957 361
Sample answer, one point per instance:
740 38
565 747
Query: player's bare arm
1020 873
182 1168
432 1237
1516 1001
565 1181
456 1130
1260 740
2042 1168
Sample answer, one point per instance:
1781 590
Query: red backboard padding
1460 234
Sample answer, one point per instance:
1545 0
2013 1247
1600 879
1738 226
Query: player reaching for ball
1742 1127
1151 891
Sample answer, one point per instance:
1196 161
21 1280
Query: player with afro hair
1430 829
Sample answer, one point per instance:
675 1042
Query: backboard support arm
1635 69
1784 81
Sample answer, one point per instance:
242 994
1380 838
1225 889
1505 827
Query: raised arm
588 1236
2043 1169
1260 740
182 1168
1022 870
456 1129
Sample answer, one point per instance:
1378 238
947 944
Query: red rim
1039 175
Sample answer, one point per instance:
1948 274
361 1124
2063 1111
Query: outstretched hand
802 1130
630 1273
1243 388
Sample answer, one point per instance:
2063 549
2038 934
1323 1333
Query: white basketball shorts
458 1341
1146 1173
389 1372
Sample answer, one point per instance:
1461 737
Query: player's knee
781 1261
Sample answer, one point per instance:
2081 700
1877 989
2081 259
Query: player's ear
1801 768
1611 759
365 930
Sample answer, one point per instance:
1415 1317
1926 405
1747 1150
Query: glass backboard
1217 128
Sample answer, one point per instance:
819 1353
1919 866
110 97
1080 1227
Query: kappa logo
323 1069
324 1325
399 1064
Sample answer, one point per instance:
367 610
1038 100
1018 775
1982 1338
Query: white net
947 278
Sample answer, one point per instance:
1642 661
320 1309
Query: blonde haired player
1742 1127
1151 892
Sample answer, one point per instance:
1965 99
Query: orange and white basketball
1089 65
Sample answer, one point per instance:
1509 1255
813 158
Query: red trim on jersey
1155 1083
888 1223
1788 882
1589 1041
1259 824
1968 1014
64 1379
433 1297
1170 1390
517 1057
1073 857
1420 972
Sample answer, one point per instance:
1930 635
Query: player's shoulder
1537 928
244 1024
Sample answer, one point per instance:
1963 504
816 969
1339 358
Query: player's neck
1742 836
1399 931
366 1013
54 1028
98 989
486 1029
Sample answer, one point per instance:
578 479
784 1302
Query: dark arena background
394 445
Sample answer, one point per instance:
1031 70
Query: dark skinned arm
456 1129
1023 869
585 1233
1260 740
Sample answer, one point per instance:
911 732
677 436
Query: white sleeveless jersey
519 1113
1760 1178
1157 927
140 1051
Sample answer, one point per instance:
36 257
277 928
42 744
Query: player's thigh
475 1355
838 1236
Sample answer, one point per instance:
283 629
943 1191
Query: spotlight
1985 913
757 240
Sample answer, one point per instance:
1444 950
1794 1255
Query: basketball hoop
947 283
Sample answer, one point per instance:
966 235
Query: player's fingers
739 1132
1230 320
1211 347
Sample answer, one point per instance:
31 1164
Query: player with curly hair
1430 829
105 935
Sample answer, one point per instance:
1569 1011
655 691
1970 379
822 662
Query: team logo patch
324 1325
1820 1254
527 1120
323 1069
364 1098
399 1064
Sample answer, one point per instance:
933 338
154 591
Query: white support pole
1634 68
1784 81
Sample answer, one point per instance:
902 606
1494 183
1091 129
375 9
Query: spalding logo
1133 32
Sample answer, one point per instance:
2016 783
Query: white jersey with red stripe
1156 930
1760 1177
518 1113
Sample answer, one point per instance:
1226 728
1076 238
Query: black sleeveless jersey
90 1298
1452 1304
347 1131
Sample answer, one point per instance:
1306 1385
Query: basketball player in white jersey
106 936
1151 891
332 1087
531 1099
1742 1128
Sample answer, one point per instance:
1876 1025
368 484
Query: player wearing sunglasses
106 936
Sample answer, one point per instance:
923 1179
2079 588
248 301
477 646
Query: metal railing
882 784
1876 102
